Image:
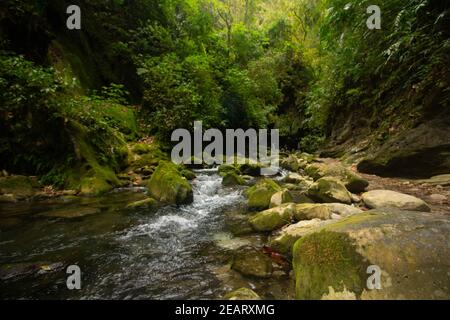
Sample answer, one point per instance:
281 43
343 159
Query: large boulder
228 168
242 294
250 261
352 181
260 194
280 197
391 199
421 152
329 189
409 248
167 185
274 218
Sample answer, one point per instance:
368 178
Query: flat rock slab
390 199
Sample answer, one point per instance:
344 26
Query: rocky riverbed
310 232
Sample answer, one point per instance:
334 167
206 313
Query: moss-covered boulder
290 163
410 248
391 199
283 196
188 174
250 261
232 179
242 294
329 189
274 218
228 168
260 194
352 181
168 186
19 187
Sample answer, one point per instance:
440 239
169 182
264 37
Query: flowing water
170 253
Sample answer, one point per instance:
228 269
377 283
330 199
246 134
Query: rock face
391 199
167 185
420 153
252 262
410 248
274 218
242 294
329 189
280 197
260 194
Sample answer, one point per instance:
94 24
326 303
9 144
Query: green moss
327 259
146 203
272 219
260 194
228 168
142 148
232 179
169 186
242 294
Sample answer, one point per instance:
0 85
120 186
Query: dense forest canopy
303 67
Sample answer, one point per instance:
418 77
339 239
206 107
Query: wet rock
145 203
329 189
250 261
167 185
410 248
391 199
274 218
232 179
250 169
260 194
280 198
242 294
15 271
188 174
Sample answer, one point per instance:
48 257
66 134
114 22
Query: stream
169 253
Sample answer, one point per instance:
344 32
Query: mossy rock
281 197
242 294
407 246
352 181
260 194
284 240
327 259
290 163
20 187
329 189
228 168
167 185
252 262
188 174
70 213
274 218
309 211
146 203
232 179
